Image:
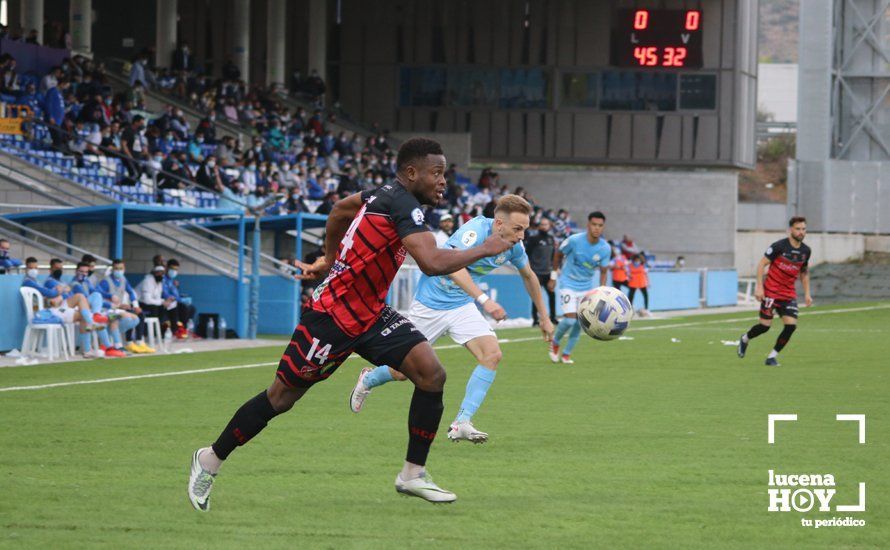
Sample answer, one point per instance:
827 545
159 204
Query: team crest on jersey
417 216
596 257
469 238
501 258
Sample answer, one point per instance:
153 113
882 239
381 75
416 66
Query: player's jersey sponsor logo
417 216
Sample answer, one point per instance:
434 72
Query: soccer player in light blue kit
583 253
444 304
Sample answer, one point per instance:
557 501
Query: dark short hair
30 260
55 261
82 264
596 214
88 258
417 148
173 262
117 261
796 219
138 118
4 241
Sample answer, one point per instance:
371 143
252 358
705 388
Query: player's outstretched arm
462 279
342 214
533 287
442 261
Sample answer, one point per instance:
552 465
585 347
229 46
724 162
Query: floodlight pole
254 308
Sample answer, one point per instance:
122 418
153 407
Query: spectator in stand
540 246
51 79
207 127
227 152
446 228
54 109
183 61
195 148
139 72
208 174
175 175
134 150
73 309
7 262
179 125
9 80
181 310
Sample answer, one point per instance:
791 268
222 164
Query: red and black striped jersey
786 265
368 257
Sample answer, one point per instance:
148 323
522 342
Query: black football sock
784 336
248 421
423 422
757 330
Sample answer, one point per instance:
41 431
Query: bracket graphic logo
812 491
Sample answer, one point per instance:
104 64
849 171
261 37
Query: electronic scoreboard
663 38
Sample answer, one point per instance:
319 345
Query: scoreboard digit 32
663 38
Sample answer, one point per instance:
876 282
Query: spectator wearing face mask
81 284
207 126
7 262
179 125
54 281
151 296
179 307
208 174
195 148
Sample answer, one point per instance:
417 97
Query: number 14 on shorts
320 352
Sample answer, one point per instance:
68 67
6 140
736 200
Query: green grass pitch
642 443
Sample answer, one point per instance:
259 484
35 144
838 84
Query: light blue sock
103 338
116 336
86 342
573 339
378 377
563 327
477 387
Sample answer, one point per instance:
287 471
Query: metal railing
21 233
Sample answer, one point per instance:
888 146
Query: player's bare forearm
341 216
462 279
443 261
602 277
533 287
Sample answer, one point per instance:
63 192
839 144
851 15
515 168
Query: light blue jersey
581 260
440 292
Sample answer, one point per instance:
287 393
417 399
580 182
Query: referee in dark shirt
539 245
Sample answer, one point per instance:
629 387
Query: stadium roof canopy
289 222
119 215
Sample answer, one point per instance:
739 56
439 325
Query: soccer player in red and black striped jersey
787 260
368 236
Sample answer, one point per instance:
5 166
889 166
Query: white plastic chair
153 330
56 339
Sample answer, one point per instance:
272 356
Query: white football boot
553 352
466 431
200 484
423 487
360 391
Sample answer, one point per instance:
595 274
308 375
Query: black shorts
318 346
785 308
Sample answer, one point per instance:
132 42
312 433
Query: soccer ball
605 313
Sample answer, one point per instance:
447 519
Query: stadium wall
667 212
827 247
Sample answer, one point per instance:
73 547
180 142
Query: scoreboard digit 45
657 38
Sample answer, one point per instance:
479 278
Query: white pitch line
198 371
447 346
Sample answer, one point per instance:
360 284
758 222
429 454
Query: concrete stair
868 279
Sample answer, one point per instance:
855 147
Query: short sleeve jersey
368 257
582 258
442 293
786 265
